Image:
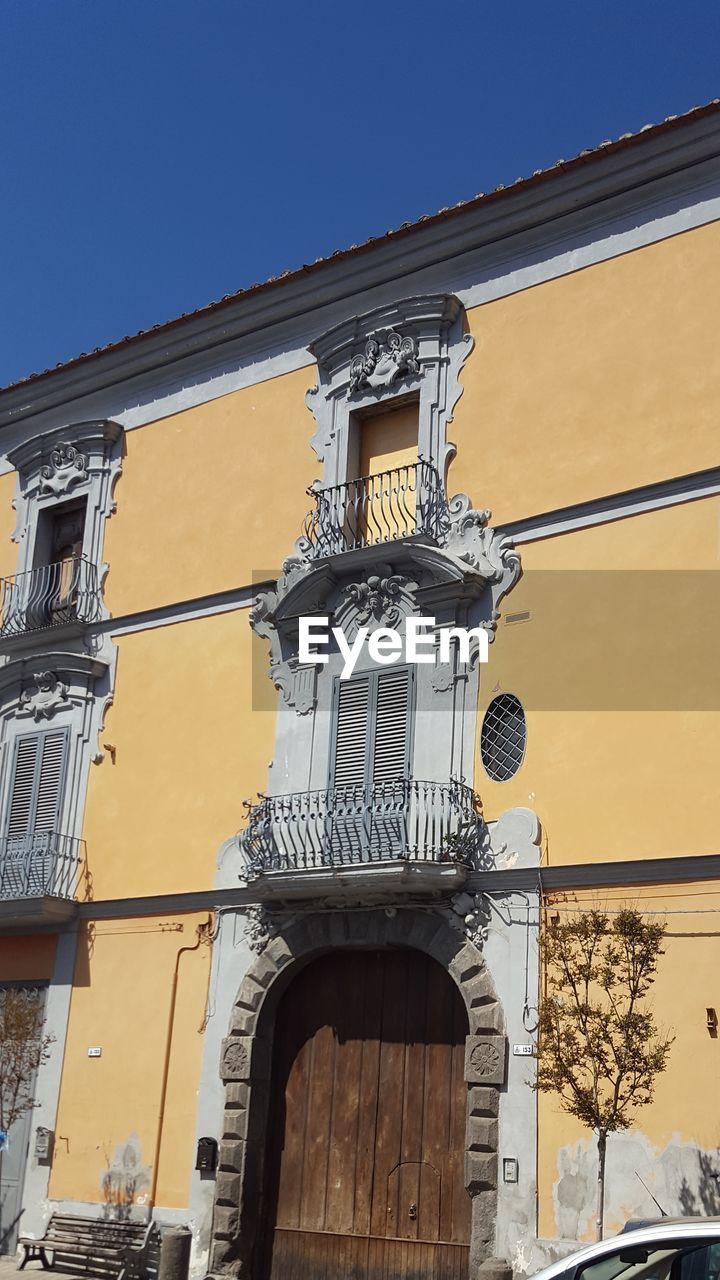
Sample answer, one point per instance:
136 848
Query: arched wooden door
364 1171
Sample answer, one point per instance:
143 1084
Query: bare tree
23 1048
599 1049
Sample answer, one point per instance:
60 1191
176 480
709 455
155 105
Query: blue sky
157 154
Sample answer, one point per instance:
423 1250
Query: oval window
502 737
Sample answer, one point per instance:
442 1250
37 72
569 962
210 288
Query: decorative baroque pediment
67 468
382 599
82 457
46 695
387 356
416 346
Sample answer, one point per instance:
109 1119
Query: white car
669 1249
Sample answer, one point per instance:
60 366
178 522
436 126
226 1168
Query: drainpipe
203 931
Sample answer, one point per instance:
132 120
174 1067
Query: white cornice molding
80 670
629 180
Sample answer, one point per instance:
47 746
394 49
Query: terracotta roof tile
589 153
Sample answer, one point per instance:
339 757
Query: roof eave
622 167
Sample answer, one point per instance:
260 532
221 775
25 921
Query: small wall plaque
522 1050
95 1052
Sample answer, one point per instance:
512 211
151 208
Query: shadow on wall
683 1177
704 1197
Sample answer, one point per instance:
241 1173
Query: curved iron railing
374 510
41 864
50 596
343 826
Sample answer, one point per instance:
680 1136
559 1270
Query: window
388 439
56 583
60 534
370 764
502 737
29 865
372 723
37 781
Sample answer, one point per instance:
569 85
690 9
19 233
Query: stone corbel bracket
301 589
471 541
414 347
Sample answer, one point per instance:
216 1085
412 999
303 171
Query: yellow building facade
286 925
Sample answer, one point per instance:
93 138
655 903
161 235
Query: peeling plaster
124 1181
683 1177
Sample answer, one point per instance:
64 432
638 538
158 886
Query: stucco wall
594 382
617 669
109 1104
25 958
211 496
188 748
674 1143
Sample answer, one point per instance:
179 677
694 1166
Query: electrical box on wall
207 1154
44 1140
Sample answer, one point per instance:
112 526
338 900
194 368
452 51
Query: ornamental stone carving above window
387 357
76 465
412 348
66 469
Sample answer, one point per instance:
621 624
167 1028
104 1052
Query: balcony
40 876
405 502
53 595
420 835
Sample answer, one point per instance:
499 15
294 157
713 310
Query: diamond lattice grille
502 740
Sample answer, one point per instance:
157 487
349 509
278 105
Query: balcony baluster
355 824
51 595
373 510
41 864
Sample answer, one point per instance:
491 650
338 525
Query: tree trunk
601 1145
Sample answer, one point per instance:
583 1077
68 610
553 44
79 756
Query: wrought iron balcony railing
42 864
50 596
349 825
374 510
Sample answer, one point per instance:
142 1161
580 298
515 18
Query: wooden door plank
374 995
383 1218
350 983
320 1001
413 1094
289 1112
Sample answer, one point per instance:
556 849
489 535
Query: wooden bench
100 1247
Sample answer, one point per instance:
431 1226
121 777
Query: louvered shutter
37 782
387 819
351 732
371 758
392 707
23 786
346 801
51 766
35 792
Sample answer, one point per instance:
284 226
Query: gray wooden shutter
351 732
23 785
391 746
370 760
38 778
50 780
